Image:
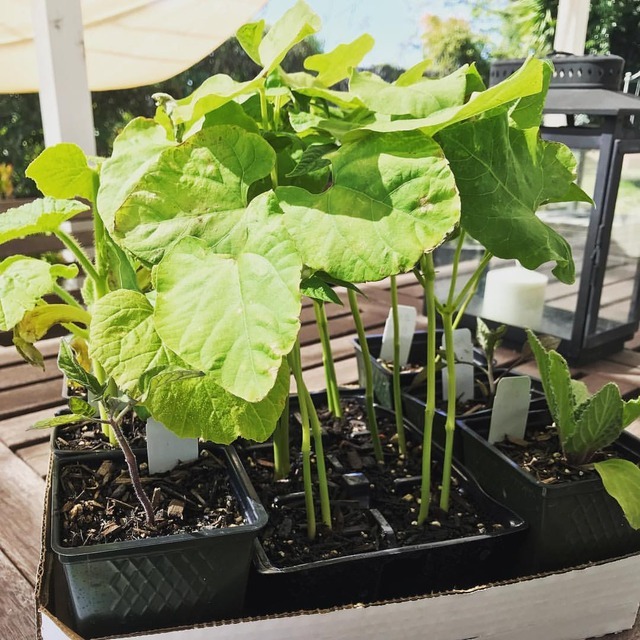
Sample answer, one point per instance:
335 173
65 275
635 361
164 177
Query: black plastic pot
569 524
124 587
393 571
383 376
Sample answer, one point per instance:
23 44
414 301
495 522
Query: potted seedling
574 474
239 181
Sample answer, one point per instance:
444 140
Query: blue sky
395 24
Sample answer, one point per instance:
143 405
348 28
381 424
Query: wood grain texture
21 504
17 608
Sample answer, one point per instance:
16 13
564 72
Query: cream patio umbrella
64 49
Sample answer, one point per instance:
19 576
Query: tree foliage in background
21 137
528 26
449 43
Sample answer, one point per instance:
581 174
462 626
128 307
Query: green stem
429 276
333 395
100 243
473 280
397 393
266 125
450 424
65 296
294 363
77 331
368 374
473 283
455 266
323 485
281 457
72 244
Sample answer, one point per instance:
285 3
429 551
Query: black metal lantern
597 314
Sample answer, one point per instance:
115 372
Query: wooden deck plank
37 457
9 355
17 375
16 432
21 501
17 614
15 402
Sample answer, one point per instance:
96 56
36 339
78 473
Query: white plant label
463 348
510 408
407 324
165 449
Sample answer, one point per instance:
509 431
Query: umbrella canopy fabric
127 43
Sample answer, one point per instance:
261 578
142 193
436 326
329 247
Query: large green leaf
504 175
598 425
23 282
62 171
212 94
420 99
198 188
125 342
392 198
245 317
621 479
294 25
44 215
134 150
337 64
527 81
194 407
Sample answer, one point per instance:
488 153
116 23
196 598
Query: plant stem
450 424
455 266
368 373
281 457
333 395
65 296
323 486
266 125
397 393
294 362
469 290
71 243
102 260
429 276
132 465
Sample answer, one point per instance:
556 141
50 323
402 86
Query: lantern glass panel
617 305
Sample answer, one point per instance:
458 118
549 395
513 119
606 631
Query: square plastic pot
187 578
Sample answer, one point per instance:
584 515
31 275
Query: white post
571 26
65 99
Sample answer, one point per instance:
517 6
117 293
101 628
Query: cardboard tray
578 603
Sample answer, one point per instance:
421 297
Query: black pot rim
516 523
251 508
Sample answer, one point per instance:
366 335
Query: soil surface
90 437
540 453
99 504
373 506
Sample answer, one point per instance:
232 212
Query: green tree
528 26
449 43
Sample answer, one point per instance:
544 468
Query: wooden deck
27 395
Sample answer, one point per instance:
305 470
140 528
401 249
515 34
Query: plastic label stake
463 349
407 325
166 449
510 408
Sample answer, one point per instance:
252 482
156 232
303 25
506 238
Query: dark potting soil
373 506
540 453
99 504
90 437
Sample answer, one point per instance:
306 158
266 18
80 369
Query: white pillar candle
514 296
